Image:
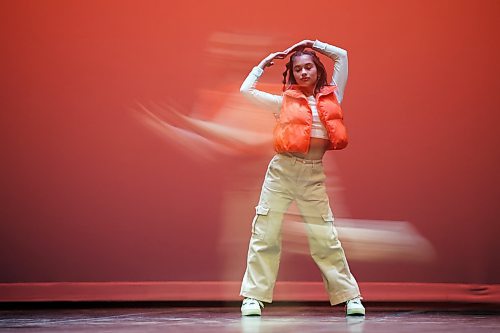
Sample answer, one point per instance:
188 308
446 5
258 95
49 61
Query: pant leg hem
257 297
343 297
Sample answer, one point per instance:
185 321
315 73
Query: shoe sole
252 312
355 312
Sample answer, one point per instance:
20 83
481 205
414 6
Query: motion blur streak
224 124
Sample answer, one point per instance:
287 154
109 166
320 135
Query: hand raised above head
300 45
268 61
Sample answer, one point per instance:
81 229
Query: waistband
295 159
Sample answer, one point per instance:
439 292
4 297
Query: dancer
309 123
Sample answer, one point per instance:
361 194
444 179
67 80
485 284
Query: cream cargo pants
287 179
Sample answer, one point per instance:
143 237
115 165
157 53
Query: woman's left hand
300 45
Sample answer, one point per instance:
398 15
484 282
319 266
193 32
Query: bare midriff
317 149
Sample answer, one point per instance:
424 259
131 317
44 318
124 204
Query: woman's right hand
268 61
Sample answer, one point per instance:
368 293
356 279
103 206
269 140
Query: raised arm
261 98
340 72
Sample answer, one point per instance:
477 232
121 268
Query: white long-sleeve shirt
273 102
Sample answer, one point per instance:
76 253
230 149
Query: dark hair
321 81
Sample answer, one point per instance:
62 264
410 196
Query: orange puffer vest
292 132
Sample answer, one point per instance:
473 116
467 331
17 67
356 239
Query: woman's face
304 71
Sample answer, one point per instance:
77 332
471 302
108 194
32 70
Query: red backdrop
90 194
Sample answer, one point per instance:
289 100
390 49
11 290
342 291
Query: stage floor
275 319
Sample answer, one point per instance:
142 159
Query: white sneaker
251 307
353 307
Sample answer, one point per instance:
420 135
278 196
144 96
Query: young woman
309 122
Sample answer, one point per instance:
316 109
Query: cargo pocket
260 222
335 243
328 218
